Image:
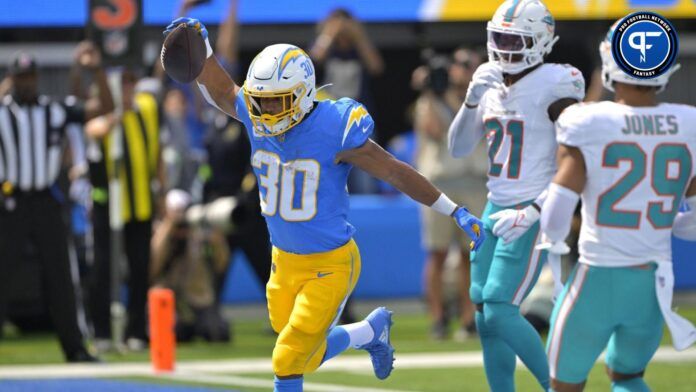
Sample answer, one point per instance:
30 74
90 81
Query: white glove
558 248
511 224
487 75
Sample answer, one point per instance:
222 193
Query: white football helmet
612 73
520 34
280 71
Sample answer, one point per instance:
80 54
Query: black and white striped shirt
31 140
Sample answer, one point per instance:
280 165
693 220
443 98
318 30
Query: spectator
444 85
181 162
139 173
29 210
349 60
184 259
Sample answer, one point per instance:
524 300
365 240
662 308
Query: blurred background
408 61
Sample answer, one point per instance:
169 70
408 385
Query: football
183 54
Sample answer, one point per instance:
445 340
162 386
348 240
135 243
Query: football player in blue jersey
302 151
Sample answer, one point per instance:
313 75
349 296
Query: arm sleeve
77 145
241 108
557 212
208 98
570 84
466 130
358 125
684 226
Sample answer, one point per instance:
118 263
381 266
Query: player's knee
476 293
498 314
481 327
287 360
278 323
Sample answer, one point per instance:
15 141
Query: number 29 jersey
639 162
303 192
520 136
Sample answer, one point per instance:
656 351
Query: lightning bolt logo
355 117
288 57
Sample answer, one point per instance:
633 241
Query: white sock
360 333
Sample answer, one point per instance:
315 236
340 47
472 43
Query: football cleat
380 348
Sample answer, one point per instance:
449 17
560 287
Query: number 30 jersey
303 190
639 162
520 136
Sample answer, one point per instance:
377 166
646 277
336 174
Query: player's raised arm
467 127
216 85
371 158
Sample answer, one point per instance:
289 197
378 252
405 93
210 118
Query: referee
32 135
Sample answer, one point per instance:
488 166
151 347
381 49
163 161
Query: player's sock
498 358
360 333
288 384
349 335
633 385
506 320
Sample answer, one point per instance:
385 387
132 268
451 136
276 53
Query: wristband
208 48
444 205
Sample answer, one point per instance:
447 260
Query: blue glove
471 225
190 22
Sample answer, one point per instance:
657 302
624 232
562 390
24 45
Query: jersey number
663 183
515 130
280 179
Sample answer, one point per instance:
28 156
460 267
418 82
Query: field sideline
244 365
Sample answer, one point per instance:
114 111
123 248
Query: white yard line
265 383
242 366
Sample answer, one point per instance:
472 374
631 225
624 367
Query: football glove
471 225
558 248
487 75
511 224
193 23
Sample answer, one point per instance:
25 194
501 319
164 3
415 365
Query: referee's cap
22 63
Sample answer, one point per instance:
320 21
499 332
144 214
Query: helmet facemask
289 115
279 89
516 50
520 34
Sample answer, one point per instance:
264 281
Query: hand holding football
183 53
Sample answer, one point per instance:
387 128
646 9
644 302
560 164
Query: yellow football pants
306 294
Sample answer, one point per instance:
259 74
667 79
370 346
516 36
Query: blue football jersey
304 196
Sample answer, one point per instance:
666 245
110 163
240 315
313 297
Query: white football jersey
639 163
521 137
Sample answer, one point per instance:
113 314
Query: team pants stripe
564 311
532 264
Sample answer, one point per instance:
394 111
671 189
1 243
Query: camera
438 74
223 213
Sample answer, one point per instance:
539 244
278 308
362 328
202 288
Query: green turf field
253 340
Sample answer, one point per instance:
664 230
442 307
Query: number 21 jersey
520 136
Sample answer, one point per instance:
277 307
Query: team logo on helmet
644 45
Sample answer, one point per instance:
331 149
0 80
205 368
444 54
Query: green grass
660 377
252 339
